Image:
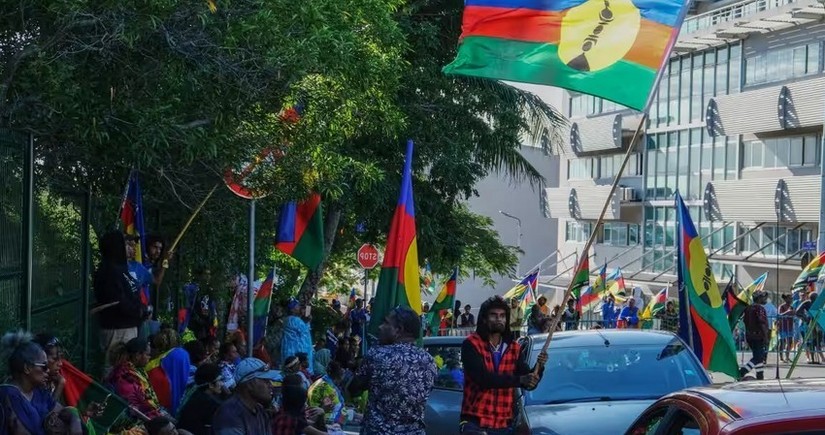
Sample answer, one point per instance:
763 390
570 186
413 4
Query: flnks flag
399 283
131 214
612 50
705 326
444 301
301 231
80 390
809 274
523 288
260 307
655 305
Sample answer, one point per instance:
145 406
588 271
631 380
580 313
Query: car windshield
615 372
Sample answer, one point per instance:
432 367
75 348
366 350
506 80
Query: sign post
368 259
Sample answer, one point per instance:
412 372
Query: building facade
735 126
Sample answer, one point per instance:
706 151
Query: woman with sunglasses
26 406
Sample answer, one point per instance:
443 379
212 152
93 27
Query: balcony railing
729 13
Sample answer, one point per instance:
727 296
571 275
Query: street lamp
518 223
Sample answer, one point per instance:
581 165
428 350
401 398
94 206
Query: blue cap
293 303
253 368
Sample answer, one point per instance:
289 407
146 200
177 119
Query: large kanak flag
612 50
399 283
703 321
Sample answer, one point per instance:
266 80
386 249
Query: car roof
585 338
756 398
597 337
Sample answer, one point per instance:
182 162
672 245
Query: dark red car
752 407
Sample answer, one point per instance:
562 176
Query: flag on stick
707 329
444 301
655 305
734 305
80 390
131 214
612 50
581 281
399 283
809 274
527 284
301 231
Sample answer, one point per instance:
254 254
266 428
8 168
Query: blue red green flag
301 231
399 283
80 390
734 305
131 214
612 50
703 322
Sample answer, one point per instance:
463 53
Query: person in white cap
244 413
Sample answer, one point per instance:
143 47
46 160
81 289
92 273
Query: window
683 423
649 422
580 169
609 165
577 232
783 152
450 372
788 240
782 64
620 234
585 105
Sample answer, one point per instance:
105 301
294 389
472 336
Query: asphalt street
802 370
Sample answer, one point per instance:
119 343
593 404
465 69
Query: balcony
738 20
586 202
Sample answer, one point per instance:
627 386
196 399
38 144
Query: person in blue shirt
608 311
630 314
144 279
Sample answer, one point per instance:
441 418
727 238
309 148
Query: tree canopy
183 93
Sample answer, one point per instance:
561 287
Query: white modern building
736 127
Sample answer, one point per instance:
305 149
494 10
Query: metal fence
44 251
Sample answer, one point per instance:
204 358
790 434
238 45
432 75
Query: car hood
585 418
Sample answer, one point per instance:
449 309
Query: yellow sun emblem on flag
598 33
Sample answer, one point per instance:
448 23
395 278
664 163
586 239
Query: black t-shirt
197 412
112 283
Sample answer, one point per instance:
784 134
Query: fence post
85 288
28 235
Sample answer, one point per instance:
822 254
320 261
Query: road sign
809 245
367 256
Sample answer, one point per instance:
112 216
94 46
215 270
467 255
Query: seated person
202 402
26 404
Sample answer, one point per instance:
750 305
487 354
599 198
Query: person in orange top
542 301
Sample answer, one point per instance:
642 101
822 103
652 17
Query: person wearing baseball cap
757 334
244 412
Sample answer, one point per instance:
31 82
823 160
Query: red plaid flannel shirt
493 408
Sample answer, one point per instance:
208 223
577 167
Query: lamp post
518 242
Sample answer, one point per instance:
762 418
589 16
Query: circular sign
367 256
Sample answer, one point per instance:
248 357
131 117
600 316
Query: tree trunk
310 286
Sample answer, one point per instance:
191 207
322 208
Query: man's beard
496 328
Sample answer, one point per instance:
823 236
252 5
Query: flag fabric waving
444 301
655 305
80 390
612 50
527 284
260 307
757 285
131 214
399 283
809 274
703 321
734 305
600 284
616 286
301 231
581 281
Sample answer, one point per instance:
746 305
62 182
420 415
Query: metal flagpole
250 288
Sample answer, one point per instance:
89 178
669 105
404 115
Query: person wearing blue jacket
630 314
608 312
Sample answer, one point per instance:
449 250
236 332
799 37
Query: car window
448 362
683 424
615 372
649 422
